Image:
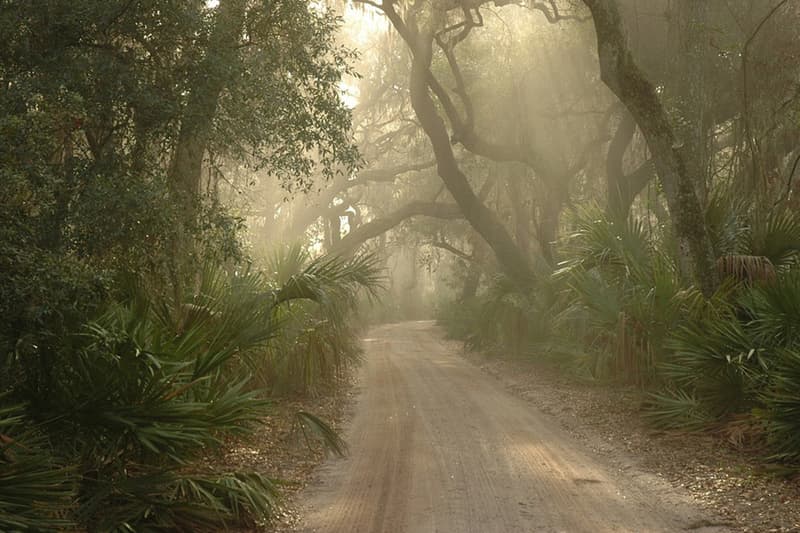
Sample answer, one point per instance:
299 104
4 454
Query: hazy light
318 6
364 21
344 225
349 94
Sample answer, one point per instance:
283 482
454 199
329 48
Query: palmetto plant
719 364
626 293
35 489
598 241
717 361
142 399
728 361
154 385
752 241
315 300
781 412
776 236
774 310
676 409
742 359
775 324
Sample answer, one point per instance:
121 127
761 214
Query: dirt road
438 446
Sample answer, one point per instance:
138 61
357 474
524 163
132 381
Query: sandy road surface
438 446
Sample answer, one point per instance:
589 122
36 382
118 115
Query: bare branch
377 227
452 249
752 143
389 174
552 13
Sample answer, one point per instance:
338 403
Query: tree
130 90
623 76
124 352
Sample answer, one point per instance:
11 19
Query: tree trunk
622 75
522 230
686 84
471 283
480 217
198 116
623 188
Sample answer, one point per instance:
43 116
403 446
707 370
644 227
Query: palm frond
774 309
781 411
315 429
717 360
746 268
676 409
777 237
36 492
314 300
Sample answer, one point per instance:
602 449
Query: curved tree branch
377 227
452 249
383 175
388 174
480 217
553 14
622 188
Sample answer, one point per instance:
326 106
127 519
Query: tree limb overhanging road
437 445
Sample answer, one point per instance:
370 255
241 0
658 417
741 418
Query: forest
207 204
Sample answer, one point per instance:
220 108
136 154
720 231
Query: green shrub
717 362
36 490
140 396
781 411
316 303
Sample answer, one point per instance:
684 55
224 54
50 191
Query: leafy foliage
142 393
676 409
723 361
34 488
318 340
782 407
133 332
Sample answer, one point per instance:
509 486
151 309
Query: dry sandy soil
721 470
438 445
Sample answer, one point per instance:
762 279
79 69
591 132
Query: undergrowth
617 309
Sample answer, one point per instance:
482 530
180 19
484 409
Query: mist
498 266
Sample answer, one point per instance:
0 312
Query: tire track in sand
438 446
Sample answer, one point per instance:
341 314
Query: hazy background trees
627 187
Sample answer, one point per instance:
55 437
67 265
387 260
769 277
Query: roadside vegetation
139 331
633 220
617 310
